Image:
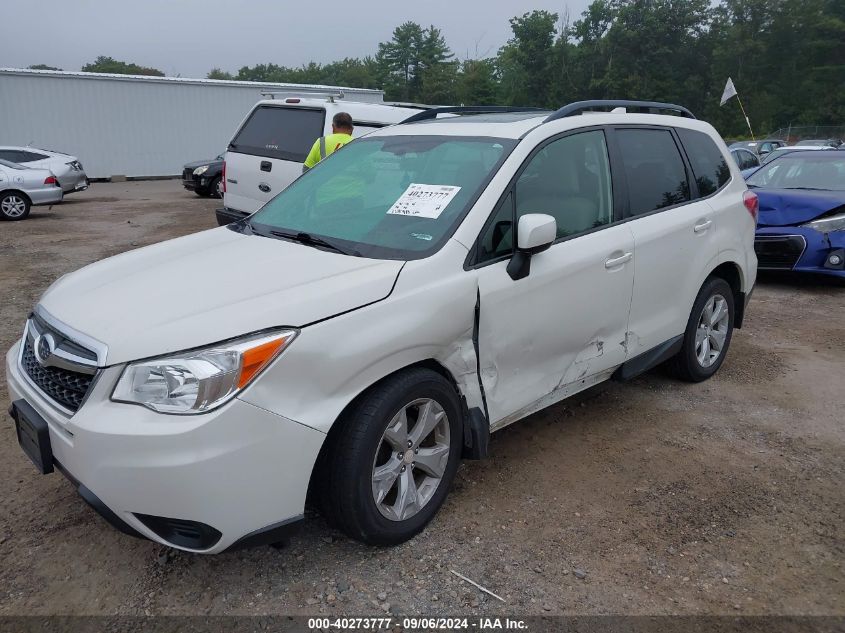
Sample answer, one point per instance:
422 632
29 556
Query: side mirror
535 233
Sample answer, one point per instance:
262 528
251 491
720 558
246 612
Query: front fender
332 362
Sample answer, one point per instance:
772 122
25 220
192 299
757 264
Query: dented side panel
562 324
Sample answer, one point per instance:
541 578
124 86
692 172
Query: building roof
188 80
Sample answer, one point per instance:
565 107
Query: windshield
802 171
391 197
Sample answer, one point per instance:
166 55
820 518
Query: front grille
188 174
778 252
66 387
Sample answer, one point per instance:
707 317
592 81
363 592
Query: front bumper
799 249
240 470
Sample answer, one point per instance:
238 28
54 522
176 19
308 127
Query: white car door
674 237
554 331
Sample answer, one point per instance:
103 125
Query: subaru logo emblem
264 187
43 348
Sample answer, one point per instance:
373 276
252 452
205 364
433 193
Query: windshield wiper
313 240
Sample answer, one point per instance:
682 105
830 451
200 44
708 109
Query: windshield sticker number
424 201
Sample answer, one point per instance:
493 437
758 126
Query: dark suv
204 177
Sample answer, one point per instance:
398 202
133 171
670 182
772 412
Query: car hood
208 287
200 163
788 207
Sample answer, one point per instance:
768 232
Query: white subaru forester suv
369 326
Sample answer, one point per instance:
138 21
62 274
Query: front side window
279 132
394 197
654 170
709 167
569 179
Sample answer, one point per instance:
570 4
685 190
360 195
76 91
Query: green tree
476 82
217 73
399 62
105 64
525 61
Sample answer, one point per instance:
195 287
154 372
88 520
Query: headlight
828 224
199 171
200 380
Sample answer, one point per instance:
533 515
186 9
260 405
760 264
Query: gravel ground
653 497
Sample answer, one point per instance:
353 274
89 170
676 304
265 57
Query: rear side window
654 170
709 167
275 132
28 157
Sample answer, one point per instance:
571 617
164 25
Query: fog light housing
835 259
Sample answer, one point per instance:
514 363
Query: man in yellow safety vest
327 145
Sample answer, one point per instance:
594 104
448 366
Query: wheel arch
17 191
334 431
731 272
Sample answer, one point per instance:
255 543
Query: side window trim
471 261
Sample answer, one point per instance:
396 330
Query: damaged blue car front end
801 228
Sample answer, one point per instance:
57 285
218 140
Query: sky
189 37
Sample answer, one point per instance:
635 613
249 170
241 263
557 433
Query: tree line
786 57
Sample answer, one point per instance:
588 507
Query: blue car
801 222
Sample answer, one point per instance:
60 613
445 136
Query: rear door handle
266 165
613 262
702 226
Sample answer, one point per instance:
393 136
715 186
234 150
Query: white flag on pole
729 92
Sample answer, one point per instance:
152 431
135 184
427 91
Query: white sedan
66 168
21 187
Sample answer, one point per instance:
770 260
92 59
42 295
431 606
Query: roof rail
432 113
331 96
649 106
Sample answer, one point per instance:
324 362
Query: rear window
653 168
278 132
709 167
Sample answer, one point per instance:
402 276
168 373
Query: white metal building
133 125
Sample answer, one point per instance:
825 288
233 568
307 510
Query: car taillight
224 176
752 203
51 180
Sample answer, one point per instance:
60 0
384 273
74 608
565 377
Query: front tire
14 206
708 334
389 467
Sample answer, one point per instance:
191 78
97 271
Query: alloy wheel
13 206
712 330
411 459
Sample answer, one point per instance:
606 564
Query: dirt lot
667 498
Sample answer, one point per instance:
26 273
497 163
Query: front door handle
702 226
613 262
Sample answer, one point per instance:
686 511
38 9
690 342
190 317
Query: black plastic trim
740 307
476 435
99 507
225 215
649 359
579 107
269 535
43 460
175 531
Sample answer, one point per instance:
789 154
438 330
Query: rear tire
388 468
708 334
14 206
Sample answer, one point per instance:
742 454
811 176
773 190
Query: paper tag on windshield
424 201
